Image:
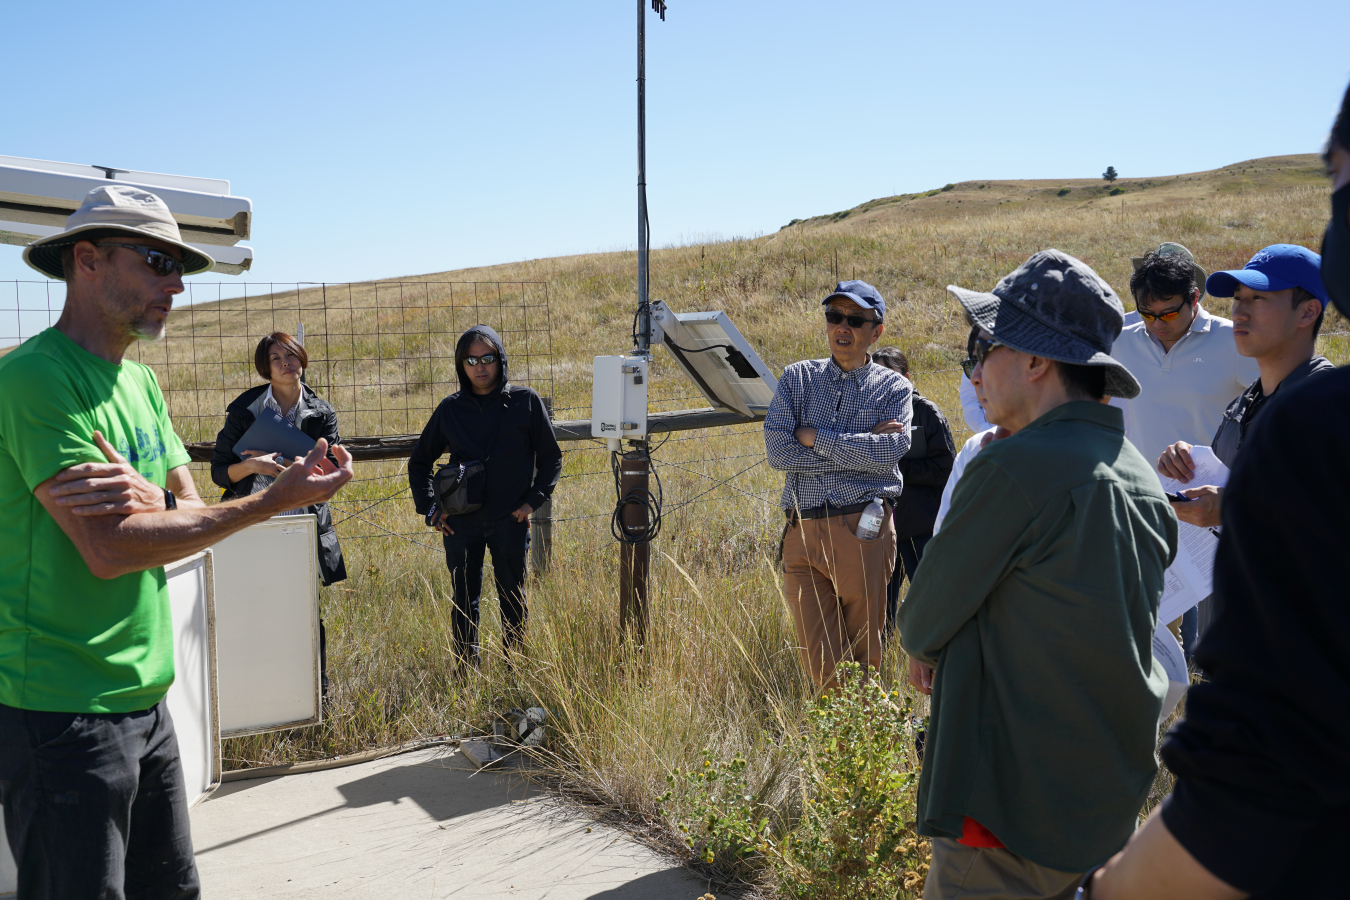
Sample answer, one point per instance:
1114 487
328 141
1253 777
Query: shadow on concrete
445 787
671 884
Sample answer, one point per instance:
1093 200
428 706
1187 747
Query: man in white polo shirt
1187 364
1186 361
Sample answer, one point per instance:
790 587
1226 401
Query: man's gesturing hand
111 488
1176 462
313 479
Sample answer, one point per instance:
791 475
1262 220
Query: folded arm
114 545
785 453
869 451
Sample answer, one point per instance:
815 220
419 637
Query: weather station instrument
38 195
706 347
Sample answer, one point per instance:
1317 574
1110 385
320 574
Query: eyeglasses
162 263
834 318
1163 317
980 351
486 359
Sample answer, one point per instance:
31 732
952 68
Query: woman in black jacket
282 361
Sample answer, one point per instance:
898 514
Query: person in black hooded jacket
507 428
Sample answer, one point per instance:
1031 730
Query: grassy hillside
974 198
719 675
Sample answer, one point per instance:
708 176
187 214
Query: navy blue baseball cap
861 293
1278 267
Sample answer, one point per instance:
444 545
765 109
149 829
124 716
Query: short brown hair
260 356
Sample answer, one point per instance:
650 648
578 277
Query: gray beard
129 309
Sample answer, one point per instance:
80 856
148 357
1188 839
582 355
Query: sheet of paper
1177 596
1167 651
1208 470
1194 564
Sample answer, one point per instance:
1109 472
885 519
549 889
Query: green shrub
853 836
1115 191
1063 192
948 187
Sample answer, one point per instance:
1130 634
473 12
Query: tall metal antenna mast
644 335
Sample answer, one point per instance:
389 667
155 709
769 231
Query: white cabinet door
192 699
267 626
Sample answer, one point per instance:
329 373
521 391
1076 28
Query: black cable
735 358
650 502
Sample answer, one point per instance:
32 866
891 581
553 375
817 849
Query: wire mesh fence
382 353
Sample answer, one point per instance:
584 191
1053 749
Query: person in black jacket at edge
281 360
507 428
1261 806
926 468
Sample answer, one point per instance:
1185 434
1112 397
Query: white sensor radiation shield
619 398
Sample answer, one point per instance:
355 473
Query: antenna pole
644 335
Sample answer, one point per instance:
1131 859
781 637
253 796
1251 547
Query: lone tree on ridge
1109 174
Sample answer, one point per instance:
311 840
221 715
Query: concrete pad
421 825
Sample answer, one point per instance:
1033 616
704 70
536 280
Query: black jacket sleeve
429 448
237 421
935 468
547 455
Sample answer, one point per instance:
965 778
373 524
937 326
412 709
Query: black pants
507 540
908 552
95 805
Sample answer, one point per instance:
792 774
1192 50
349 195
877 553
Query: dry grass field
719 678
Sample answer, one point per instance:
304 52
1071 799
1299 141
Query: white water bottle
869 523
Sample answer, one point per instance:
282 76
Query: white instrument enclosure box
619 398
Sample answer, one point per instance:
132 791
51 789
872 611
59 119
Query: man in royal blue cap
1278 305
838 428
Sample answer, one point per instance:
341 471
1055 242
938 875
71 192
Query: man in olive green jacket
1037 601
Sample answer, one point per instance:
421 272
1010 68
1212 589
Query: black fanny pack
460 484
459 487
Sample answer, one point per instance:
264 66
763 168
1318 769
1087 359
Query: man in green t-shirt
95 497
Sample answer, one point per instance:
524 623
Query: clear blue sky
381 140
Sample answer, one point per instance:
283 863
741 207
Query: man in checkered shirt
838 427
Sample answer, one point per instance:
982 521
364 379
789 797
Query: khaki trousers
836 588
989 873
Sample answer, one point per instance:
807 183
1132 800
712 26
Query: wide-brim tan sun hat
116 208
1171 248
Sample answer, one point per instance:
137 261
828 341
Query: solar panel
717 358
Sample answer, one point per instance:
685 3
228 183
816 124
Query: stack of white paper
1191 576
1167 651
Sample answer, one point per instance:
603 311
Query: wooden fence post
634 558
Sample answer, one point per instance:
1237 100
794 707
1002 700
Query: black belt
824 512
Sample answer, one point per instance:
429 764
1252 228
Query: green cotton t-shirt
71 642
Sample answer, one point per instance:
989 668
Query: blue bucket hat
1278 267
861 293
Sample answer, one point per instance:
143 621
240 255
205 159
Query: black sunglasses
162 263
980 350
486 359
834 318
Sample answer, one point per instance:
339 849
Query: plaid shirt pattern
848 464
